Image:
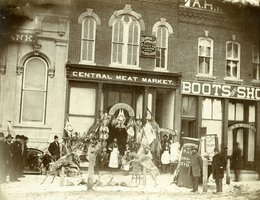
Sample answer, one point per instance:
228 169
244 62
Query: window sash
205 56
88 39
256 71
125 41
161 47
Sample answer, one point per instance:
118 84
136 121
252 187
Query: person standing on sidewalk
9 156
2 158
54 148
218 167
196 168
236 161
17 158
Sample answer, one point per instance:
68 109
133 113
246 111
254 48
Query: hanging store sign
105 74
23 37
220 90
148 46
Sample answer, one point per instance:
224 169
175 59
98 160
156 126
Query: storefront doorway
244 135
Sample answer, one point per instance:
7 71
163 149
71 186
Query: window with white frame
205 56
88 39
89 22
211 109
233 59
235 111
125 41
256 63
162 34
34 91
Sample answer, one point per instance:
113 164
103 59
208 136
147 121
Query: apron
113 160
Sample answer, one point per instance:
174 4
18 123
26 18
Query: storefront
95 90
229 111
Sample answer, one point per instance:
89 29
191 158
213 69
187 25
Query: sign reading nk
23 37
220 90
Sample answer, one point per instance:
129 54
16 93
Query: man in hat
218 167
9 160
196 168
54 148
17 158
2 158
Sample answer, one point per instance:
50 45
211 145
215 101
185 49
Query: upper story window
162 30
34 91
89 21
233 59
256 63
126 32
205 56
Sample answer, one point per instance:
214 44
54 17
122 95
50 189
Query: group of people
13 157
219 163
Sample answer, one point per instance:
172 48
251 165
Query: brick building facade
137 52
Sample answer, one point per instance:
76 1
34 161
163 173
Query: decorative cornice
198 15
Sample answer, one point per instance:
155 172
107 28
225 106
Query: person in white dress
113 160
165 158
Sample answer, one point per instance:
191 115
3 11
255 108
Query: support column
224 136
177 112
257 148
199 117
99 92
145 102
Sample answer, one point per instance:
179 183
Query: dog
71 160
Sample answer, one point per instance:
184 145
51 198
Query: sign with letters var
220 90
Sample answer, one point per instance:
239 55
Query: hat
9 136
55 137
17 137
2 134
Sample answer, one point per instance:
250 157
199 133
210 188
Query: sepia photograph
129 99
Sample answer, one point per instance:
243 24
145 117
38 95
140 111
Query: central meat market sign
220 90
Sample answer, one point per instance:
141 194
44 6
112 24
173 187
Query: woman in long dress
113 160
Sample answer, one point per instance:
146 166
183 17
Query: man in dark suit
17 158
54 148
196 168
2 158
9 156
218 166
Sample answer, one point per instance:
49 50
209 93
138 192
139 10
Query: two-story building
32 71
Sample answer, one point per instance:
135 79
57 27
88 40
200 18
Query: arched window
125 41
34 91
162 31
205 56
88 39
89 22
233 59
161 47
126 29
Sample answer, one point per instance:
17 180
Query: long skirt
113 160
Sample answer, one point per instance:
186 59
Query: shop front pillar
177 113
257 151
224 136
199 117
98 104
145 102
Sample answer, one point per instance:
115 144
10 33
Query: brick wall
183 43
